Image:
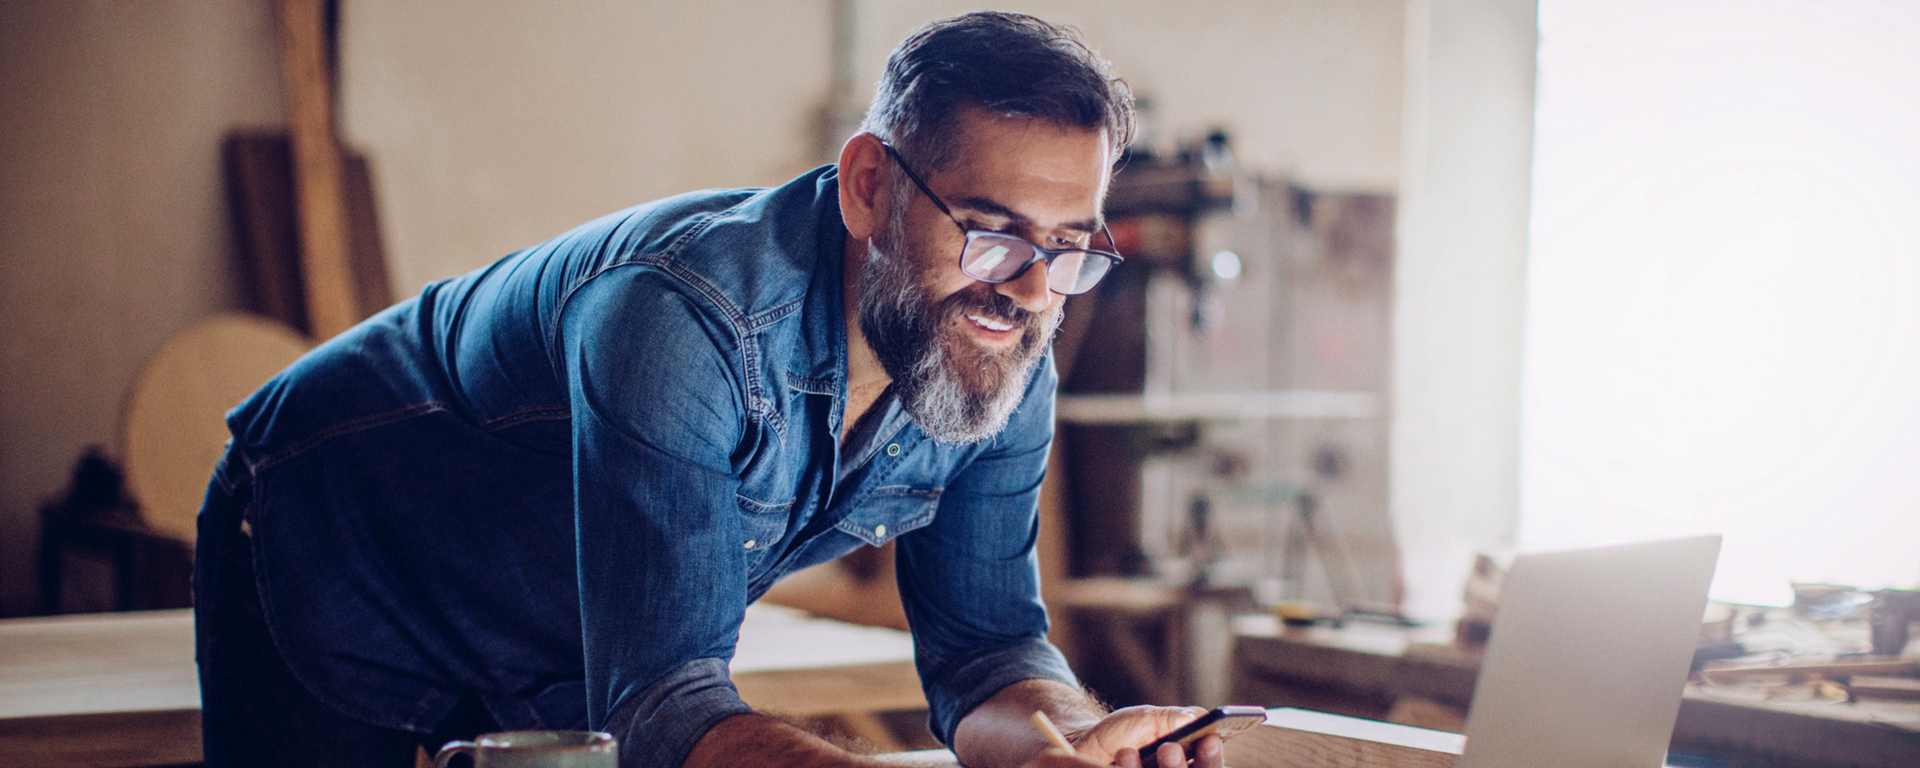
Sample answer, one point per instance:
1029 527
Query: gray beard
955 395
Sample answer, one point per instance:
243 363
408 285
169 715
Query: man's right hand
1115 737
1208 753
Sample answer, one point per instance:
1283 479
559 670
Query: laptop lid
1589 656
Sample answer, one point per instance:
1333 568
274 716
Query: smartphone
1225 721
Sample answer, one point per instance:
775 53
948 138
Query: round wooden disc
174 428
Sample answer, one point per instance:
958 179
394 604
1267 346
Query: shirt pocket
762 523
884 513
769 487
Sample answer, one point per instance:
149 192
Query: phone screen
1225 721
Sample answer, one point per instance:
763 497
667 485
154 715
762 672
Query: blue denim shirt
558 481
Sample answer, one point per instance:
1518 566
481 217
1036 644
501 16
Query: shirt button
879 531
893 449
749 544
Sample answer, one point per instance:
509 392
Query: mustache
995 305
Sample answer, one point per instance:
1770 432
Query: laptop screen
1589 656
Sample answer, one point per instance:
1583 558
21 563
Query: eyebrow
992 207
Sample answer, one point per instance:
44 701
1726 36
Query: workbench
1365 670
117 690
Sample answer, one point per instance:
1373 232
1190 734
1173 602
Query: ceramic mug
535 749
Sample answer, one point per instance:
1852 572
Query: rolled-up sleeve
970 581
656 409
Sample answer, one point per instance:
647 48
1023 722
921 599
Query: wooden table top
88 663
121 689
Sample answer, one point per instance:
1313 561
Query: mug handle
453 748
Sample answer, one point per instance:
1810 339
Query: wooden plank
318 174
1368 667
1829 669
91 663
1806 734
1218 406
117 740
1298 738
797 665
832 690
366 254
121 689
261 193
1866 687
99 691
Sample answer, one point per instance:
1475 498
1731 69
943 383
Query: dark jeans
254 713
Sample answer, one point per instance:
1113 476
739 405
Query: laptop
1589 656
1585 668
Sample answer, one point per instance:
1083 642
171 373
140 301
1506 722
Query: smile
990 323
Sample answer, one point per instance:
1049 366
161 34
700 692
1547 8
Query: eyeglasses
997 257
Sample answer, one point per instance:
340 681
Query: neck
866 378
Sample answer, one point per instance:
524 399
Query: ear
864 171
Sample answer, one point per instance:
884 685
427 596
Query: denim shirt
557 482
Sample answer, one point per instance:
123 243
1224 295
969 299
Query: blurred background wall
114 232
491 126
495 130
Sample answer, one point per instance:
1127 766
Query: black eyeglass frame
1039 254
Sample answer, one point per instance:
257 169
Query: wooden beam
318 174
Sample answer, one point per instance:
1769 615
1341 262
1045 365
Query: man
542 494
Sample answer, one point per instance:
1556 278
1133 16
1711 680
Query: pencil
1053 734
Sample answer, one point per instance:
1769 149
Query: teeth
990 324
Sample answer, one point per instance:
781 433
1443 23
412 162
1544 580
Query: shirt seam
536 413
346 428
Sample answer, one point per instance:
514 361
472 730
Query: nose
1029 290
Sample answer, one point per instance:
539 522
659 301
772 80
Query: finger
1211 752
1171 756
1054 758
1127 757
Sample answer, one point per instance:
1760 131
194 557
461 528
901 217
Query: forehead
1046 172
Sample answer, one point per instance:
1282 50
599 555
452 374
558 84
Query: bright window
1723 311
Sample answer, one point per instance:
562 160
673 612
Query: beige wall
113 231
495 126
493 131
1308 88
1459 282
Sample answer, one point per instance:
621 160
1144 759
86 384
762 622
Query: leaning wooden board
319 177
174 427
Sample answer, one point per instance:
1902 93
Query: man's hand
1116 739
1207 755
1001 733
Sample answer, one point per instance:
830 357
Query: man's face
958 350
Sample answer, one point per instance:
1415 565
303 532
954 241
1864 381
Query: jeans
254 713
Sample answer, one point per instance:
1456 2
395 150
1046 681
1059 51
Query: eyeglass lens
999 258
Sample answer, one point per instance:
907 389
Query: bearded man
543 494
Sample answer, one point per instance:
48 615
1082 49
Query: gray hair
1009 64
